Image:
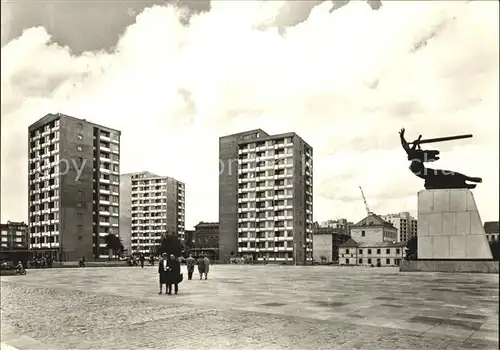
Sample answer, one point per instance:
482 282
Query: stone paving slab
250 307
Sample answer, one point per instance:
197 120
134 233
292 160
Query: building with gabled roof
374 229
373 242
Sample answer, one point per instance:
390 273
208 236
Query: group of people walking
169 271
203 266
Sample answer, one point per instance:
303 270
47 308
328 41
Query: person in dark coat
163 272
141 259
174 273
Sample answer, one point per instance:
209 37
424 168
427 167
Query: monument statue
434 178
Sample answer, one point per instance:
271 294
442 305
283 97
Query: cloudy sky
346 81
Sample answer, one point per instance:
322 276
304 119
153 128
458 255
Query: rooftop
353 244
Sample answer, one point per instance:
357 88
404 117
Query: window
397 251
362 233
360 261
347 261
378 251
388 261
361 251
369 261
388 251
347 251
79 148
369 251
79 136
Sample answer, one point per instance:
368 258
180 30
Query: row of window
138 207
12 233
45 239
45 195
110 188
44 185
273 142
268 234
269 183
266 224
140 229
110 177
267 173
266 204
45 128
264 214
150 181
369 251
378 261
44 206
111 156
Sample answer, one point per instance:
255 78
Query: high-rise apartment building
73 196
150 206
405 224
265 197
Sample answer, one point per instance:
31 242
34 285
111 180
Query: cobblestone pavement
250 307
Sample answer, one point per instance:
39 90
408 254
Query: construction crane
368 211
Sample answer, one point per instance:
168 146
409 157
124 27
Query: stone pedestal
450 231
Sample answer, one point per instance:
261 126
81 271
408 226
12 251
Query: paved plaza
250 307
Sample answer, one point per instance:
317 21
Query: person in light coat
206 263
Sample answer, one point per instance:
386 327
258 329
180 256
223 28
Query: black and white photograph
249 174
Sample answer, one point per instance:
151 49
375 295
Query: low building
373 242
326 243
14 236
206 240
492 230
15 241
371 253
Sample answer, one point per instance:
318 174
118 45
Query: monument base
466 266
450 227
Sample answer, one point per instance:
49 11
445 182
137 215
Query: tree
170 244
113 243
412 249
495 249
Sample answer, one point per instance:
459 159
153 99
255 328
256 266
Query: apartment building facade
404 223
266 197
73 181
14 236
151 206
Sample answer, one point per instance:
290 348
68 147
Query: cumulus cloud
345 81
